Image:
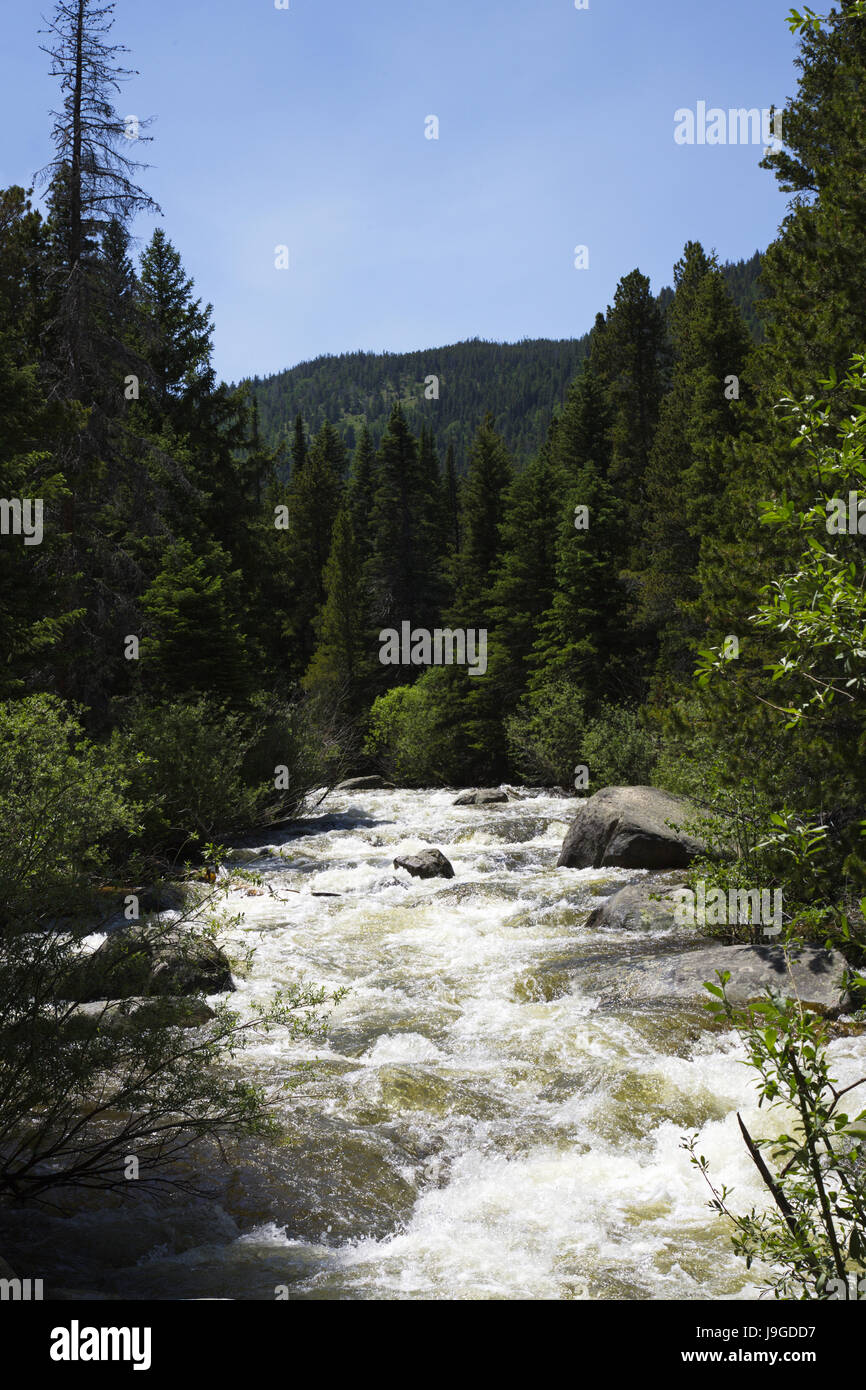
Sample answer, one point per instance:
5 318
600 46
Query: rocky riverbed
492 1113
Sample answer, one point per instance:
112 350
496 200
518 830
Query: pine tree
452 501
483 500
194 642
361 491
815 316
584 637
299 445
815 272
631 363
583 432
34 600
685 477
91 175
341 662
313 498
175 335
402 562
523 582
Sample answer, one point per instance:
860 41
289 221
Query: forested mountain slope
521 384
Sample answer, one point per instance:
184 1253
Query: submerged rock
146 961
627 828
487 796
814 975
427 863
364 784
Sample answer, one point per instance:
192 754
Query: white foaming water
473 1125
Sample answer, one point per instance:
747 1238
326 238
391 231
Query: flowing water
474 1124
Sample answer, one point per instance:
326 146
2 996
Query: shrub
82 1093
813 1236
617 749
200 770
416 731
63 800
545 733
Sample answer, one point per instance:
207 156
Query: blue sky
305 127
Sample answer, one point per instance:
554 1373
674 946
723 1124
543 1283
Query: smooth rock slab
679 979
488 796
626 828
646 906
427 863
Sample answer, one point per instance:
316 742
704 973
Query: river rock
127 1015
146 961
645 906
626 828
487 796
364 784
679 978
427 863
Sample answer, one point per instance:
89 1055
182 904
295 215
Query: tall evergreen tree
685 476
299 445
89 165
452 500
361 491
342 662
523 582
313 497
584 637
403 565
483 499
631 362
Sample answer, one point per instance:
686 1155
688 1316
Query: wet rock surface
810 973
427 863
631 828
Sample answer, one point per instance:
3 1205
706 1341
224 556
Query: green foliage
200 770
80 1094
545 733
618 749
684 478
814 1232
482 510
415 731
195 641
341 662
63 803
814 680
403 571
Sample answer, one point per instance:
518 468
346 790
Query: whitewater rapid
474 1124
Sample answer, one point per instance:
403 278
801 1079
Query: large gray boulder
811 973
645 906
627 828
487 796
427 863
149 960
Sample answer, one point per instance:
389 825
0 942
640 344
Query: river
474 1125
